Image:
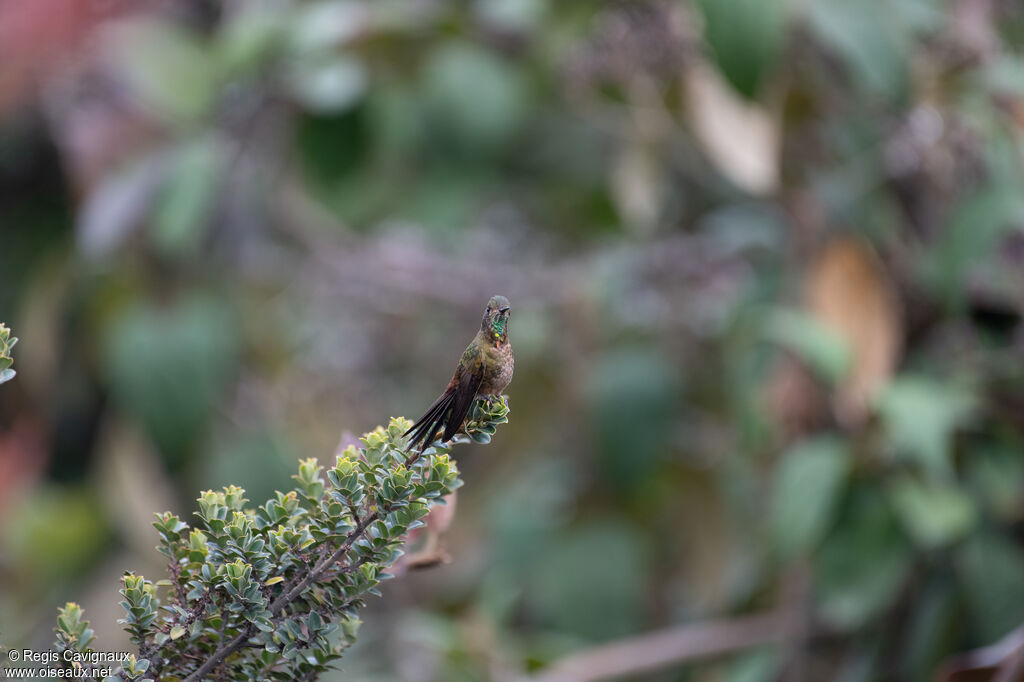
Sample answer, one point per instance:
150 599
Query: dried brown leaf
848 291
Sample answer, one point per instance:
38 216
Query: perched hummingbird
484 371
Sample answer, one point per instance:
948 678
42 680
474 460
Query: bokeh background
766 260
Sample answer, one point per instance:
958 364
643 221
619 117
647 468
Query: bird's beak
504 311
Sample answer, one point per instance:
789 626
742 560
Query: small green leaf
177 631
745 37
934 514
186 197
990 568
808 483
862 563
167 66
875 52
920 415
820 347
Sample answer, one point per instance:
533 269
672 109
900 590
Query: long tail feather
463 400
426 428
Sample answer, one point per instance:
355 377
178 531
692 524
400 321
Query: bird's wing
469 377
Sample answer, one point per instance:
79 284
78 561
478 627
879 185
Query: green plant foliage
223 225
934 514
186 352
59 533
996 476
875 53
816 344
6 344
477 119
171 70
275 590
976 225
921 415
186 199
569 577
990 569
745 36
627 388
808 484
862 563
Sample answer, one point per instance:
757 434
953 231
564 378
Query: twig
179 590
657 650
1012 670
1006 656
319 569
213 661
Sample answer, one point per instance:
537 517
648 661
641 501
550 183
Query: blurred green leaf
632 396
331 147
7 375
991 572
820 347
745 37
876 51
862 564
395 119
529 509
604 558
970 237
1004 75
474 100
183 206
920 415
761 665
249 35
56 533
808 483
256 459
167 66
934 514
932 631
167 366
444 199
863 665
996 475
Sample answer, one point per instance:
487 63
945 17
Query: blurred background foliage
765 258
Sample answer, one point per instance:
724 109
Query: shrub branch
252 591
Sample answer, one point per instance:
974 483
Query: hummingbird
484 370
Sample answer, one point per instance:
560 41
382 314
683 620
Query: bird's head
496 316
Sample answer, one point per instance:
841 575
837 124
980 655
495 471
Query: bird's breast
497 370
